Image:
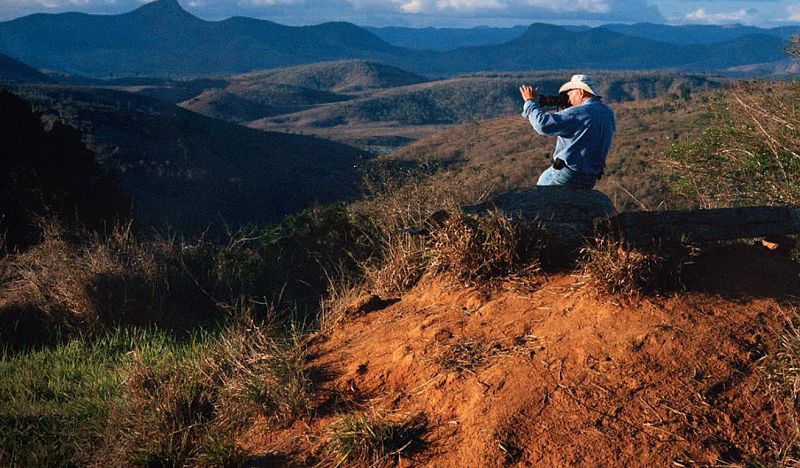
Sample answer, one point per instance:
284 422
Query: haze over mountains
162 39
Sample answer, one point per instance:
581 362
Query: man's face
575 96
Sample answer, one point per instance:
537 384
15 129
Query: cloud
375 12
741 15
793 12
469 5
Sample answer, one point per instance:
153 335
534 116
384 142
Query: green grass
54 402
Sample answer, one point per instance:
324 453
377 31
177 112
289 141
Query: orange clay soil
562 375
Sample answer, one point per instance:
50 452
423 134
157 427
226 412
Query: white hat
583 82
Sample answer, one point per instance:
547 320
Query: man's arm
559 124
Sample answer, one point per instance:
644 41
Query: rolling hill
505 153
191 173
548 47
261 94
162 39
339 77
445 38
454 38
410 112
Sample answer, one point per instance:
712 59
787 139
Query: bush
76 284
615 270
748 154
492 247
296 258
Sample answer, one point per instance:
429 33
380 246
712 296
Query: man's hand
528 92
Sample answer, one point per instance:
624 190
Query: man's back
584 133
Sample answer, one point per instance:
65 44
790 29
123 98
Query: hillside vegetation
418 110
399 330
194 174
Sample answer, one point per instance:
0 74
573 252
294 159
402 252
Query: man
584 133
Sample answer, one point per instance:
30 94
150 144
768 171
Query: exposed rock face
568 214
571 216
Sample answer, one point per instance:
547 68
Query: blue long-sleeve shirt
584 132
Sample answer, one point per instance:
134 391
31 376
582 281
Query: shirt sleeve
562 123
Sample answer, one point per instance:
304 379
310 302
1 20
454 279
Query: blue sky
451 13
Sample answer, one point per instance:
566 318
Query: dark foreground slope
188 171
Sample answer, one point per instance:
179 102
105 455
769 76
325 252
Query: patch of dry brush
620 271
76 283
479 250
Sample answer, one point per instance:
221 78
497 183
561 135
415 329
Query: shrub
749 152
296 257
81 284
481 249
619 271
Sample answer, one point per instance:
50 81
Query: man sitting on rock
584 132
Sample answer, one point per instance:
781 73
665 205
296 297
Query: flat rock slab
550 204
645 229
568 214
572 217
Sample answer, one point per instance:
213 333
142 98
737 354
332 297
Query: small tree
793 48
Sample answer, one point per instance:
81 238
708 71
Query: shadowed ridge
14 70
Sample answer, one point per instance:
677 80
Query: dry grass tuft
466 354
479 250
619 271
266 375
376 440
401 206
782 375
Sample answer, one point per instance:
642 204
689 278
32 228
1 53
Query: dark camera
559 100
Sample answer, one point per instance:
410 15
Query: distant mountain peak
163 8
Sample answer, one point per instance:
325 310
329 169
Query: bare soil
564 375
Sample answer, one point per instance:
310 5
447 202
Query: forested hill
188 172
16 71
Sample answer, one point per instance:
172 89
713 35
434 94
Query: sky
451 13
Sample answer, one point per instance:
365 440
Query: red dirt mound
563 375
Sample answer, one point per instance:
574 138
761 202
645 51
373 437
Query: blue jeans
566 176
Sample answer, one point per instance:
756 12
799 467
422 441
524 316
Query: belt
559 164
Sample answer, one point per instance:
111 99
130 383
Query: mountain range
454 38
162 39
